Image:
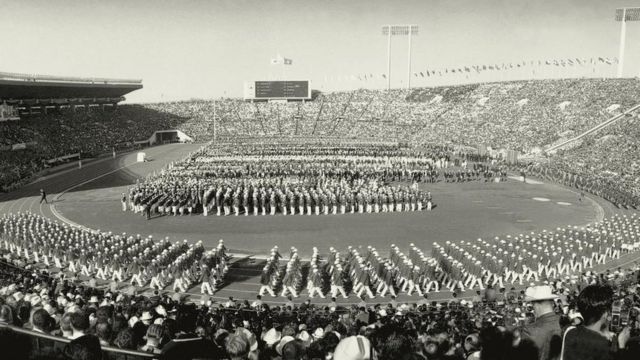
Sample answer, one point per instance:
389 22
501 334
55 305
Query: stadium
479 206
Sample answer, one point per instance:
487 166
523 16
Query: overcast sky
208 48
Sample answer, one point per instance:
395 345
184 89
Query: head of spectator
41 321
594 304
153 338
104 314
104 333
65 326
472 345
541 298
83 348
237 346
294 350
125 339
6 315
79 324
354 348
395 346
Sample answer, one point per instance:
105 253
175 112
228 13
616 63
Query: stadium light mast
215 124
623 15
398 30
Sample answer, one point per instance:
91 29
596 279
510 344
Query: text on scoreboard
281 90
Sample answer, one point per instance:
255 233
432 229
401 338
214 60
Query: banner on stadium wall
63 158
22 146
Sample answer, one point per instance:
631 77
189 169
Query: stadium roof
25 87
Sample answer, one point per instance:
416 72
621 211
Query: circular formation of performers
294 179
181 266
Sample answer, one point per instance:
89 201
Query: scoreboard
277 90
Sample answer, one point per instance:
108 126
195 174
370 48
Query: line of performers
119 258
307 200
531 257
361 274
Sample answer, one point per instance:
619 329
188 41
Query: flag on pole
280 60
277 60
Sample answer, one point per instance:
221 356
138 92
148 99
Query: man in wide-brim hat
545 332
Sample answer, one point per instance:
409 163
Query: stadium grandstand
23 94
450 212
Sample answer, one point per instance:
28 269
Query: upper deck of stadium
24 89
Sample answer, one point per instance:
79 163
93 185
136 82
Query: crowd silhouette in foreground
541 322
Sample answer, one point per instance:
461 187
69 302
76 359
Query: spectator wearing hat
354 348
284 341
545 332
146 318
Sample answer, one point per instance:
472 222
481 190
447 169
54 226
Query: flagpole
215 125
409 62
389 60
623 32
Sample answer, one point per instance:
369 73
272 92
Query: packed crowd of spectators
522 115
570 312
605 164
594 316
87 132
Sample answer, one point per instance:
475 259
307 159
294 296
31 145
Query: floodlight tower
623 15
398 30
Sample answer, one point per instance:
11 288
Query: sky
209 48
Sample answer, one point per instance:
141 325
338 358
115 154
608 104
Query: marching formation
137 260
180 266
301 179
561 254
615 191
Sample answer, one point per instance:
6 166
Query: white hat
305 337
282 343
133 320
35 300
272 336
161 310
319 333
146 316
353 348
539 293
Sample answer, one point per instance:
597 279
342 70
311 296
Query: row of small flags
496 67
